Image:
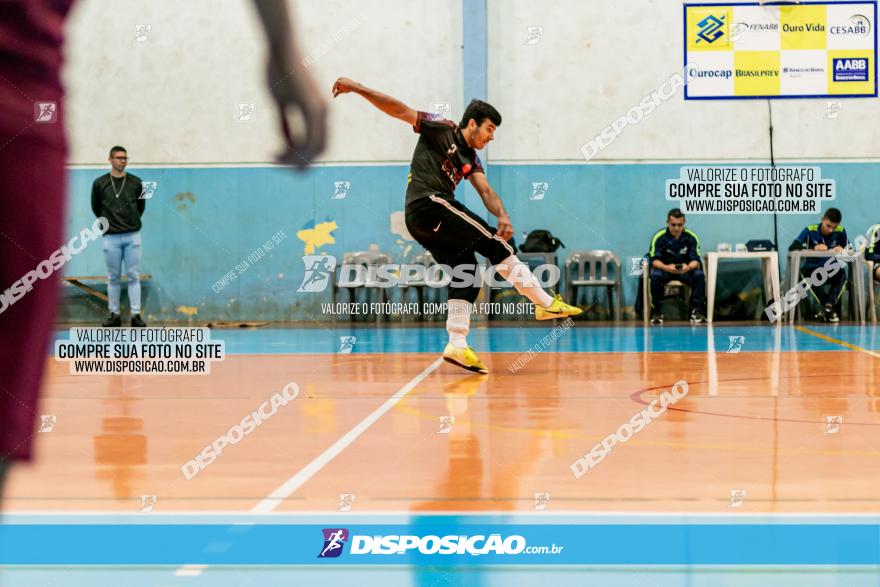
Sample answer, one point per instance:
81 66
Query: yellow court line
833 340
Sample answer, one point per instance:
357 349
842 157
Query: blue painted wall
190 243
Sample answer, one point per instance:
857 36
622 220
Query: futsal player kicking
445 154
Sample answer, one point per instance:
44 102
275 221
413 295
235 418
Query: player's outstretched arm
390 106
493 204
291 84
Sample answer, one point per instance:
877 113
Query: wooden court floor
375 424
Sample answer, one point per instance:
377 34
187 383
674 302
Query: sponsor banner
772 50
441 542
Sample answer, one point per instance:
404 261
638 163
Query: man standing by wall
117 197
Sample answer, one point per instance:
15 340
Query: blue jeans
119 248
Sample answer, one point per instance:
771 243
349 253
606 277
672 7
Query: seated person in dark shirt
828 235
675 255
872 253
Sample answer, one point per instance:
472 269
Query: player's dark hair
116 149
834 215
479 111
675 213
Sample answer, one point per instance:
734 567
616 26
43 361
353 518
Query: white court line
190 570
275 498
299 479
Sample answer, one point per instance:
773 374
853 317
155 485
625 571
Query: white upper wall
597 59
174 97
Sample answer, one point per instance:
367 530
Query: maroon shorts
32 201
32 205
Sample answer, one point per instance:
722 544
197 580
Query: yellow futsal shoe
465 358
558 309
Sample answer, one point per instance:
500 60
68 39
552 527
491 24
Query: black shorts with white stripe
453 234
450 231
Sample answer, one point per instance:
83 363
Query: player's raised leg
494 246
546 307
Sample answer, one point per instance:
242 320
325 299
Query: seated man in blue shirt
828 235
675 255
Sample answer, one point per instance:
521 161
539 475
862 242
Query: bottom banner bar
434 542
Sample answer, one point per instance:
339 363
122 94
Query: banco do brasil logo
710 29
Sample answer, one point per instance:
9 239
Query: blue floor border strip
440 540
